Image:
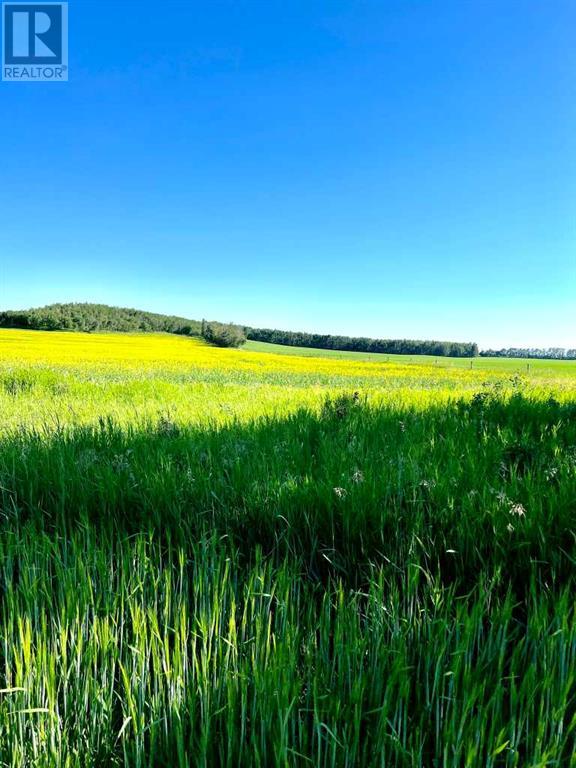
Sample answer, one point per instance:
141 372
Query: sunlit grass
224 558
513 365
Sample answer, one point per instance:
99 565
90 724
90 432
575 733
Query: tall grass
123 652
339 579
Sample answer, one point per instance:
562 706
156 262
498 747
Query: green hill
91 318
96 317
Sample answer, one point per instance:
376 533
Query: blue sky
386 168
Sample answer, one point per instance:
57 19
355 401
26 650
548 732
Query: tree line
549 353
363 344
94 318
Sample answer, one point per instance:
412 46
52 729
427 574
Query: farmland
217 557
477 363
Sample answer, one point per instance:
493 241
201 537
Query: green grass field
228 558
478 363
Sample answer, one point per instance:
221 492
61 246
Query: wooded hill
92 318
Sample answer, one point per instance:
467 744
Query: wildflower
341 492
518 510
358 476
551 473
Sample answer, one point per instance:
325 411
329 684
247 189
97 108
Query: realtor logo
35 42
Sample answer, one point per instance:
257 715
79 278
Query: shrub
223 334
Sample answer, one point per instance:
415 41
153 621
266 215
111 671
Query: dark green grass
365 586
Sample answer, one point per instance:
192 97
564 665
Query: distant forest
361 344
550 353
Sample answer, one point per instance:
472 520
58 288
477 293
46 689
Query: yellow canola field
52 378
153 353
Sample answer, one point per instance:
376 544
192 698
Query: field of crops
510 364
238 558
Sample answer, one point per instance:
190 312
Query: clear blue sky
386 168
